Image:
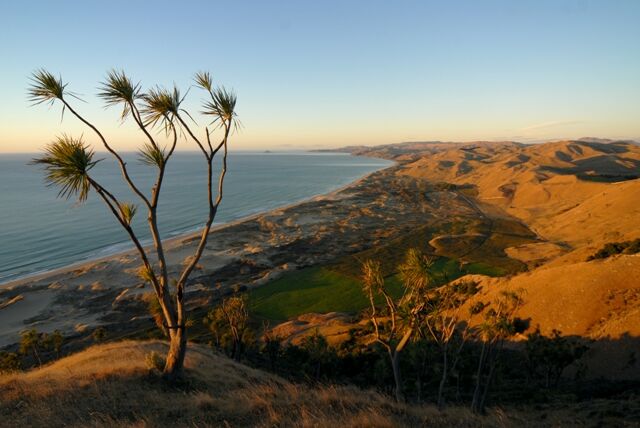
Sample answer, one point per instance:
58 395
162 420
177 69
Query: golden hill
110 385
598 301
578 195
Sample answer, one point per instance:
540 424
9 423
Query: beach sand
247 253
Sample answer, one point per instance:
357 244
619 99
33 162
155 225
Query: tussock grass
110 385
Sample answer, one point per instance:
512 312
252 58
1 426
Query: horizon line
324 148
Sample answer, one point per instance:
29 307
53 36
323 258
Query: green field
325 289
315 289
336 287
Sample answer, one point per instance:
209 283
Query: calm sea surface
39 232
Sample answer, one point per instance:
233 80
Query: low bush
613 248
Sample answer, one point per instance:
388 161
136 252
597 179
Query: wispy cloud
551 124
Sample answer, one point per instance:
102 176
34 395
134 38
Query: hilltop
110 385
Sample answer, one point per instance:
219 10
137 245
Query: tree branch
185 126
213 208
123 168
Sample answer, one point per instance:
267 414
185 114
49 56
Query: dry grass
109 385
544 185
598 299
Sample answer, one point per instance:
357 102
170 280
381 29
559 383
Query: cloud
552 124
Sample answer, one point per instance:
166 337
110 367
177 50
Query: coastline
240 255
245 253
180 238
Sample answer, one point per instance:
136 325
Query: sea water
41 232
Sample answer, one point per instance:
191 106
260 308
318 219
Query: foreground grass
109 385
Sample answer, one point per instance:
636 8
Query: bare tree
403 315
498 325
442 322
30 342
233 316
68 162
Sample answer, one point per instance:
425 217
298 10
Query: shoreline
181 237
242 254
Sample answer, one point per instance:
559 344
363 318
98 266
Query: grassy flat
315 289
324 289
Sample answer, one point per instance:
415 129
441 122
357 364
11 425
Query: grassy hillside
109 385
579 194
595 299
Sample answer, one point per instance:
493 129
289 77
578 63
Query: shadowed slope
109 385
591 299
598 301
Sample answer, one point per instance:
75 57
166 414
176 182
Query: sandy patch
12 317
535 253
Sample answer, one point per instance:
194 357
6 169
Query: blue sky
327 73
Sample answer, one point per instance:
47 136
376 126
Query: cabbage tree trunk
177 350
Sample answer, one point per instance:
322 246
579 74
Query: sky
321 74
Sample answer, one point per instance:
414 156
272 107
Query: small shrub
633 247
31 342
9 362
155 361
548 357
56 341
99 334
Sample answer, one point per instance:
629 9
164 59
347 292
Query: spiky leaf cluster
151 155
204 80
416 271
118 88
127 211
45 87
160 105
222 107
67 162
499 319
372 279
145 274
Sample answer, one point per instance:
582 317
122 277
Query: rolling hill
576 194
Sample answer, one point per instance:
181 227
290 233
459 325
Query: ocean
40 232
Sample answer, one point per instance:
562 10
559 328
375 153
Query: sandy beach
245 253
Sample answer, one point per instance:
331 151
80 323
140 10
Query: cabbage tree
68 164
